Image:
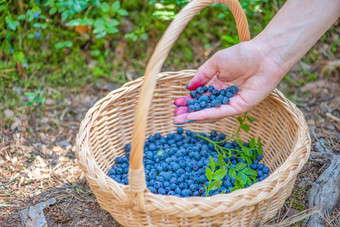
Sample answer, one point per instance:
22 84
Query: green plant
241 172
34 97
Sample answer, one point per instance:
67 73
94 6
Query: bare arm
256 67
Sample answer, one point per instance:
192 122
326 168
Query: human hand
251 66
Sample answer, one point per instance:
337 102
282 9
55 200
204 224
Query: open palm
247 66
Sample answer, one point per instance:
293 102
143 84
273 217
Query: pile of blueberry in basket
208 97
187 163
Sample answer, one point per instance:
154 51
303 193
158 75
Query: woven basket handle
153 69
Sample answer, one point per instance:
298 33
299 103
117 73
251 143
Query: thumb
204 73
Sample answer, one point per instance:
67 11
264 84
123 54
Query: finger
180 119
181 110
182 101
204 74
236 106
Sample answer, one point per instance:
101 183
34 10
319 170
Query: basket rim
263 189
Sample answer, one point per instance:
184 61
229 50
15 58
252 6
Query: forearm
296 28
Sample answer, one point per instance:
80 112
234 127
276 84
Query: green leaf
239 142
30 36
243 177
123 12
215 185
240 166
39 99
52 11
112 23
208 173
219 174
68 43
239 119
212 164
245 127
205 187
259 150
104 7
251 119
115 6
86 21
73 23
252 143
220 159
21 17
64 16
239 182
249 161
259 144
250 172
59 45
160 152
249 182
232 172
247 152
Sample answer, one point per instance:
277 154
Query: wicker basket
108 126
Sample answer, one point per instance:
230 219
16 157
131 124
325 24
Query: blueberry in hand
216 103
191 108
200 90
193 94
234 89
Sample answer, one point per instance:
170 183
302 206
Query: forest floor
38 163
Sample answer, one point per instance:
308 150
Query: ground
37 156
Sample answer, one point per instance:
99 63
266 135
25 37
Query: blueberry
171 193
205 88
191 108
212 98
225 100
193 187
152 175
178 191
201 190
204 98
234 89
190 102
182 164
151 139
127 147
185 192
216 103
175 167
222 92
152 147
119 170
193 94
173 180
265 170
260 166
149 155
220 97
215 92
203 104
229 94
158 185
119 160
112 172
211 88
36 15
197 107
37 35
161 191
221 136
259 173
180 130
213 133
200 90
189 132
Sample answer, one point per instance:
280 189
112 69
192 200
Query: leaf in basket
160 152
239 119
220 159
208 173
243 178
219 174
215 185
245 127
251 119
212 164
232 172
250 172
240 166
252 143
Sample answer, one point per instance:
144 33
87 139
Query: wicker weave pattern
119 118
108 126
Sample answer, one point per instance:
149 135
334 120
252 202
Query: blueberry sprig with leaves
242 173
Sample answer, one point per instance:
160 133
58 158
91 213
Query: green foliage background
39 46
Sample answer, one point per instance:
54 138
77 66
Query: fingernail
176 105
187 85
190 121
178 123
